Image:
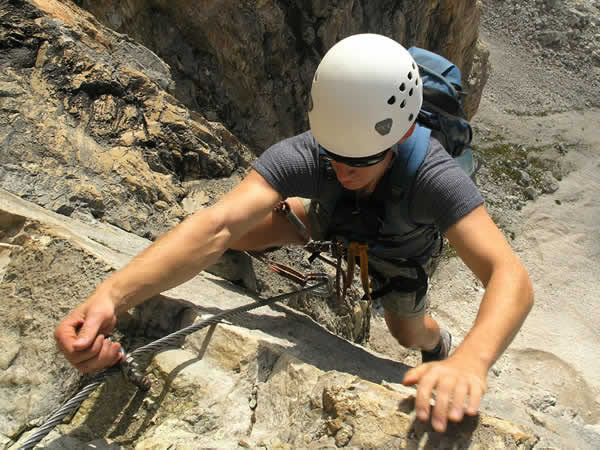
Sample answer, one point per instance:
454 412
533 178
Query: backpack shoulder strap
409 157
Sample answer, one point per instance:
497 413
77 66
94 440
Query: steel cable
144 351
68 407
172 339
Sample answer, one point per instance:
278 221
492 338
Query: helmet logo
383 127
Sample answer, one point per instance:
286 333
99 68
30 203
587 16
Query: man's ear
408 133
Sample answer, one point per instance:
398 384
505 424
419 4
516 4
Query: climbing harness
335 248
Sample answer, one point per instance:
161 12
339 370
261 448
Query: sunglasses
364 161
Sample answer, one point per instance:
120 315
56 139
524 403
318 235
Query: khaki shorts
406 305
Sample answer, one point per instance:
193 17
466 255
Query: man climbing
365 98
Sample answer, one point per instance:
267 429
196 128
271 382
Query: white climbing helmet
365 96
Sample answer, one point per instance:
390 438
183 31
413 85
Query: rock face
250 64
88 126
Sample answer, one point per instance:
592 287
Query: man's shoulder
438 162
302 141
292 166
437 150
297 150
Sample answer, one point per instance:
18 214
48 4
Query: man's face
365 178
360 178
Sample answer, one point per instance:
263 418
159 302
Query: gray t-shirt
442 192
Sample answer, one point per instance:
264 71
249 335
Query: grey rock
576 18
213 62
531 193
553 4
551 38
549 184
524 178
235 266
4 441
10 89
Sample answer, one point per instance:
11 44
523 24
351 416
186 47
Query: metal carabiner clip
132 373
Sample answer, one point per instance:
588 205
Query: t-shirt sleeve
442 192
291 166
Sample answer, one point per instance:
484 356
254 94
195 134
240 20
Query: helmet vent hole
410 93
402 87
316 78
413 66
383 127
410 117
403 104
391 100
410 75
417 82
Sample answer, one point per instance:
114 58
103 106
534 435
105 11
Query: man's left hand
458 387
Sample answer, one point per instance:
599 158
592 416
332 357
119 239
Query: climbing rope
129 367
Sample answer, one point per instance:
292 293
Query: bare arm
173 259
194 244
507 300
508 296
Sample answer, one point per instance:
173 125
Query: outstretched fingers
427 380
457 409
446 383
456 393
477 389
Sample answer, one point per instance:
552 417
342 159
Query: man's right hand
82 335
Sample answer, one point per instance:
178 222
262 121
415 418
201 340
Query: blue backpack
442 110
442 116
